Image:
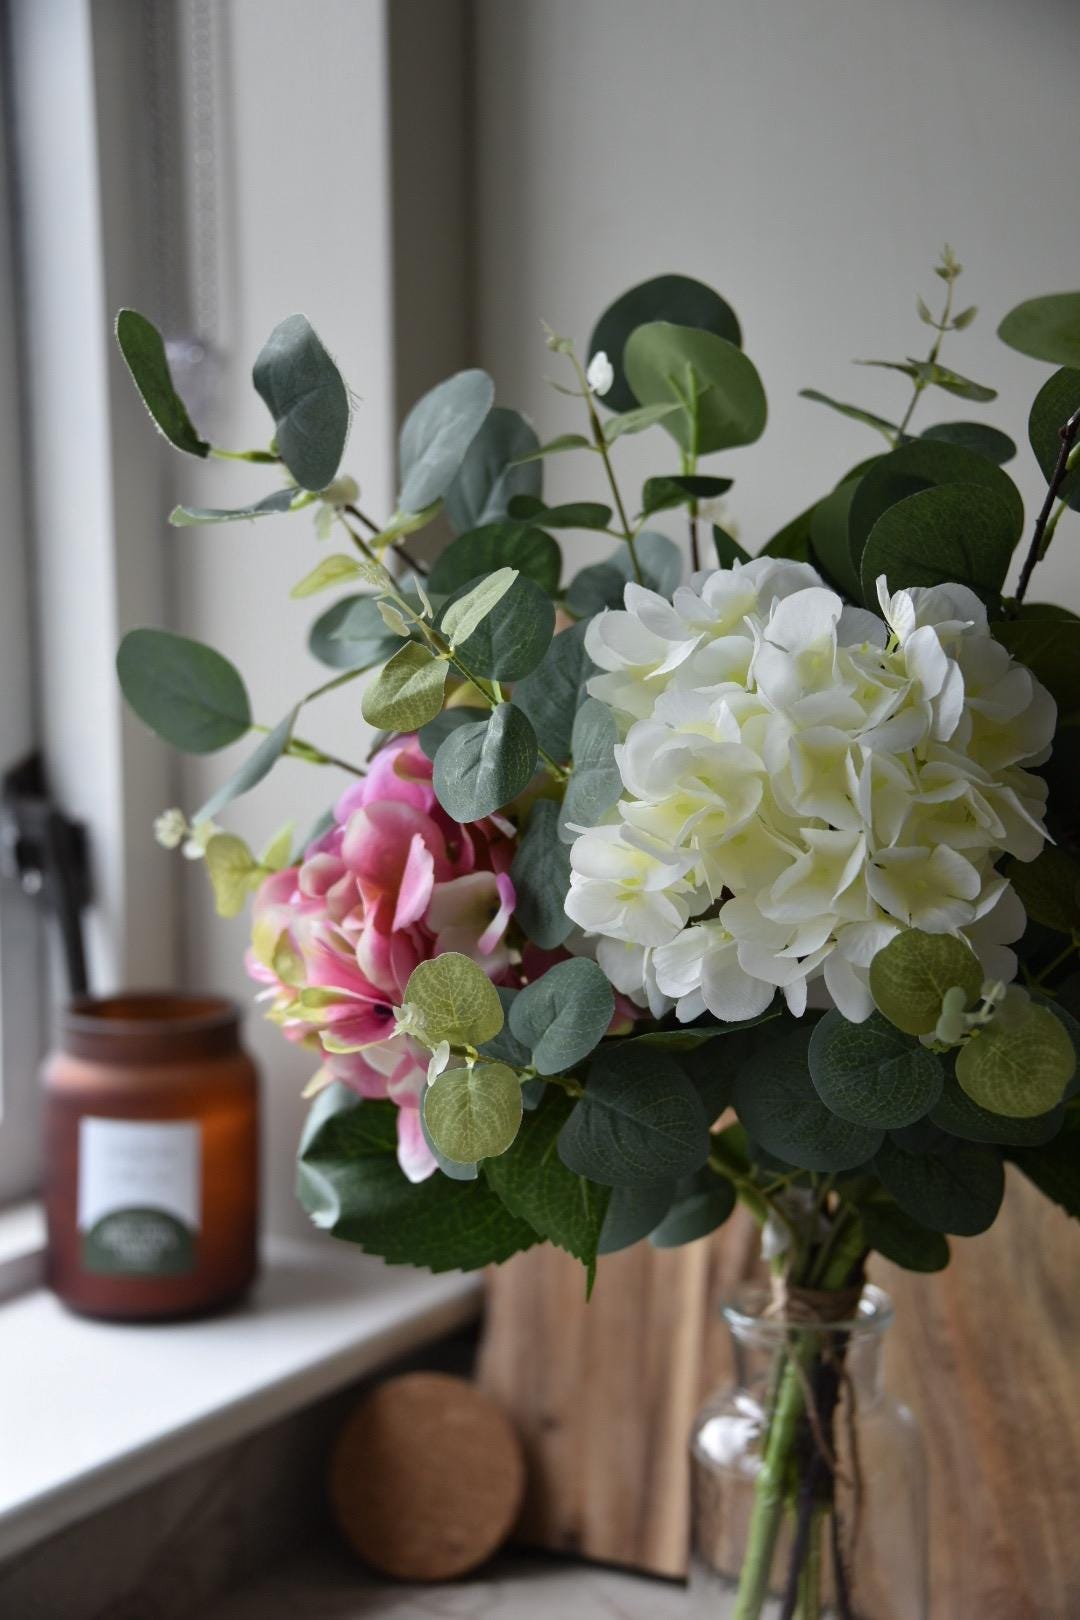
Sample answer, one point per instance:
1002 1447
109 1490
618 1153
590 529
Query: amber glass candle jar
151 1157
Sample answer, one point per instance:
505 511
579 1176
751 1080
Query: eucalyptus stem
298 748
1044 523
601 444
931 359
397 545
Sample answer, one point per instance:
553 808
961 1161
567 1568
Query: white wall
806 157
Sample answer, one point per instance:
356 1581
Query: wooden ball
427 1477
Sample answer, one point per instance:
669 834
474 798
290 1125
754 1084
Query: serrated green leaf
454 1000
407 692
909 978
479 768
640 1121
306 395
184 691
535 1185
871 1073
1046 328
564 1015
473 1113
779 1107
437 434
492 472
143 349
666 362
958 1191
541 877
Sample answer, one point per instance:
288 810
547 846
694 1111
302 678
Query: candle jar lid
150 1026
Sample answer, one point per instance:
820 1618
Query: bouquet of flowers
697 877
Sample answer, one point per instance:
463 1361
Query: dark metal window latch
48 856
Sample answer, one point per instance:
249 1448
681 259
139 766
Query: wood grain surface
987 1354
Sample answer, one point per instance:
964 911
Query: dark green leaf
932 375
513 637
185 517
702 1202
143 349
872 1073
640 1121
479 768
535 1185
903 1240
829 541
1045 328
572 515
957 1191
709 376
855 412
1055 1167
565 441
186 692
595 782
505 1047
1049 887
660 494
306 395
977 437
633 1213
728 549
793 540
492 473
436 436
352 635
350 1184
553 693
1056 401
564 1015
497 545
952 533
602 584
678 299
253 770
541 878
779 1107
956 1113
431 735
1050 647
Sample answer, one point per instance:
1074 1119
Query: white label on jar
139 1195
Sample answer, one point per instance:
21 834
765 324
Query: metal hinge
47 855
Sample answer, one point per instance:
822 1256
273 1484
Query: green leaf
1055 1167
454 1168
535 1185
468 612
778 1105
959 1190
909 978
678 299
1020 1070
562 1016
640 1121
454 1000
932 375
233 872
503 544
871 1073
257 766
183 690
902 1239
475 1113
918 465
513 637
184 517
829 540
660 494
337 569
541 877
665 362
351 635
602 584
855 412
431 735
492 472
956 1113
702 1203
636 421
143 349
1056 401
407 692
1050 647
553 693
728 549
594 783
480 768
351 1185
952 533
793 540
437 434
977 437
554 447
1049 887
305 393
1045 328
571 515
633 1213
506 1048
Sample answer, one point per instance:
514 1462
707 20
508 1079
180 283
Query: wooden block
427 1477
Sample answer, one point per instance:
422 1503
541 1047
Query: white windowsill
90 1411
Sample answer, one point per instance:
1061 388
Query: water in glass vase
808 1478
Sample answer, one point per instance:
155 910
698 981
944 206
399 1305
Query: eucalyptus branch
600 444
298 748
1044 525
931 359
398 545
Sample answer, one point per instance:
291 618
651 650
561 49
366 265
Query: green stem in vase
770 1497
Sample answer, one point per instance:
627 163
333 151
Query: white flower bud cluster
802 780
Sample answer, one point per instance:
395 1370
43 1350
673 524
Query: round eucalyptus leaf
978 437
436 436
1050 647
1045 328
456 1170
602 584
407 692
1049 887
492 473
541 877
479 768
903 1240
872 1073
431 735
473 1113
513 636
562 1016
257 766
504 544
1056 401
678 299
594 783
711 378
143 349
1018 1069
306 395
909 978
957 1114
957 1191
632 1213
552 694
186 692
702 1202
779 1107
952 533
454 1000
352 635
640 1121
829 540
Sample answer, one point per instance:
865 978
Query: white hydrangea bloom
802 779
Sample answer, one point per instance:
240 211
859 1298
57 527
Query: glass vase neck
761 1323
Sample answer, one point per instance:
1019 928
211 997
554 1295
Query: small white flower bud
170 828
601 373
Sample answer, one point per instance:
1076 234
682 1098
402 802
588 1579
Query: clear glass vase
808 1478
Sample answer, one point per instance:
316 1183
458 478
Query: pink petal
413 1153
417 881
498 924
